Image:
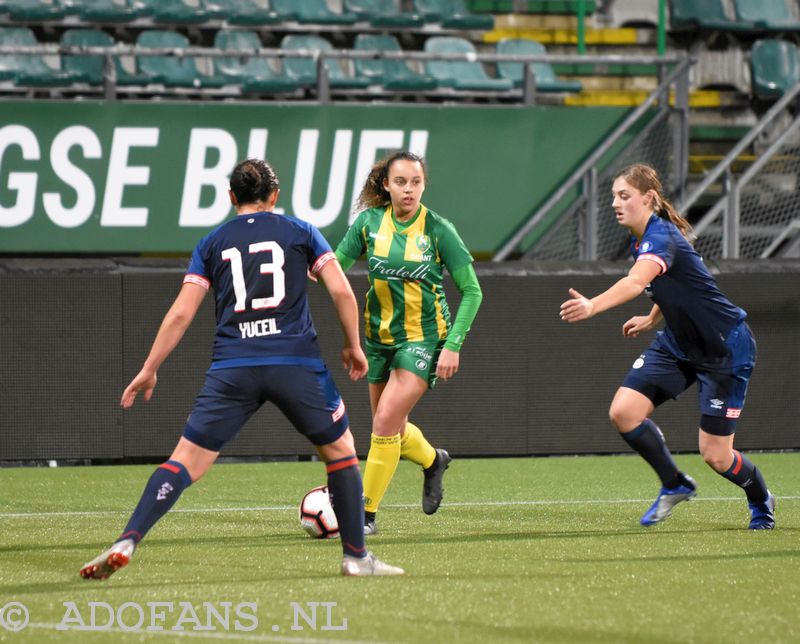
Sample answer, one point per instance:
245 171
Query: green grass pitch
522 550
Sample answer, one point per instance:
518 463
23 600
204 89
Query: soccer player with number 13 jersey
265 349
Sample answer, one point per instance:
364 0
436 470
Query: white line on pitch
286 508
207 635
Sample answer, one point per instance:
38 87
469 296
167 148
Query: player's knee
340 448
717 460
384 423
622 418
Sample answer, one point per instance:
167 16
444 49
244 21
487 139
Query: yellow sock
382 460
415 447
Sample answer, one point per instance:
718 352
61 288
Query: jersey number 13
274 268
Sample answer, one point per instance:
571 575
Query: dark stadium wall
128 177
74 332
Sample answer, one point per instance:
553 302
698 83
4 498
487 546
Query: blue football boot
667 499
762 515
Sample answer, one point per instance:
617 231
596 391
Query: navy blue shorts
660 375
306 395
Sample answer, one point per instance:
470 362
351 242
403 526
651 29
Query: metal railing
526 95
587 176
728 207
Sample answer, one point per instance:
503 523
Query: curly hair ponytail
373 194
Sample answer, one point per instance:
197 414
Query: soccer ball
316 514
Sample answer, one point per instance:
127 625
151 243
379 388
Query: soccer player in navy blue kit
265 349
705 340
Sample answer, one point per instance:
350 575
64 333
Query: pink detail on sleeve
321 261
192 278
656 259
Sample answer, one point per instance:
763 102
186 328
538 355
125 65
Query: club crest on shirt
646 247
423 243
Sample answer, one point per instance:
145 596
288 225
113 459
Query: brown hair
253 180
373 194
644 178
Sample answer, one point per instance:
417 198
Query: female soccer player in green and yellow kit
410 341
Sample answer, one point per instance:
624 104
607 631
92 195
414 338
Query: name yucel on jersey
259 328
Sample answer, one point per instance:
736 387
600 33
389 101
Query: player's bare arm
579 307
174 325
344 300
642 323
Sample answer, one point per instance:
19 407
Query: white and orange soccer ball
316 514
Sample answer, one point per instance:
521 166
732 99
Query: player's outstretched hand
636 325
144 381
447 365
354 362
577 308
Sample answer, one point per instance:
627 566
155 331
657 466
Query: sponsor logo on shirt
380 268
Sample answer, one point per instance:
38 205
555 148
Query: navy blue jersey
258 265
698 316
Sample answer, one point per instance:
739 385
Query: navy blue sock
745 474
648 440
160 494
346 490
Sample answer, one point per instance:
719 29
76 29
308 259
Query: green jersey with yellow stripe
406 262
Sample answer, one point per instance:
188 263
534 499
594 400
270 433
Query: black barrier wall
74 332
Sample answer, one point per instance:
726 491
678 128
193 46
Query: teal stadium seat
171 70
28 70
452 14
34 10
304 70
242 12
90 68
546 79
312 12
104 11
462 75
173 12
393 74
383 13
492 6
774 66
707 15
767 15
253 74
